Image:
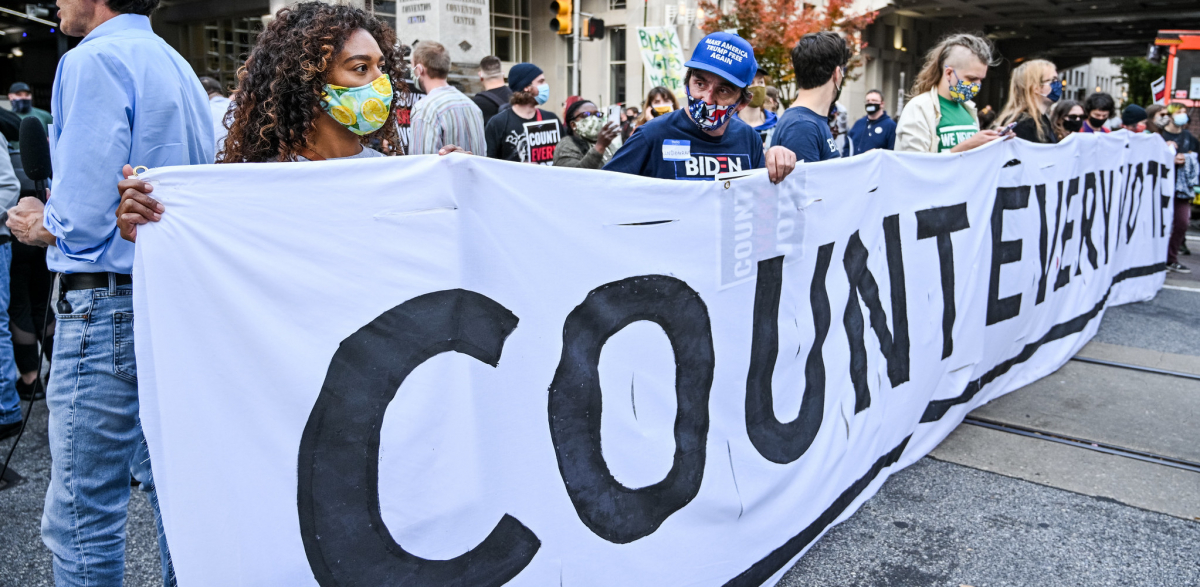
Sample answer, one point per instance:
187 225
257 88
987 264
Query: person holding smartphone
940 115
589 140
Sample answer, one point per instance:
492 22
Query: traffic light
593 28
561 23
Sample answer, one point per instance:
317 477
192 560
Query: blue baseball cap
726 55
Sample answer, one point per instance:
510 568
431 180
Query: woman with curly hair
319 84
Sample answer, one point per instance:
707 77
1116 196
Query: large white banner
461 371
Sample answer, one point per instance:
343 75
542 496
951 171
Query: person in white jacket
940 116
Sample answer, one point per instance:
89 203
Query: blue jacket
873 134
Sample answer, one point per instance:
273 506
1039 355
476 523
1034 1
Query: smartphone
1008 129
614 114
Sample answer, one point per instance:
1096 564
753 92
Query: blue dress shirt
122 96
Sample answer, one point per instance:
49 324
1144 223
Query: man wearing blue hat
506 133
705 139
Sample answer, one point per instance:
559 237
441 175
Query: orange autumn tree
774 26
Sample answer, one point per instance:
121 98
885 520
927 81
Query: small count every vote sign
542 137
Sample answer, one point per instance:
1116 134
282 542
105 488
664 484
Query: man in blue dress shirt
122 97
876 130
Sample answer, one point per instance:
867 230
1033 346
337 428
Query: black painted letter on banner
940 222
1003 252
1046 244
776 441
345 538
1068 231
862 283
1086 221
1137 183
612 511
1164 198
1106 205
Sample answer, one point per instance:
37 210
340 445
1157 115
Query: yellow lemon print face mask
364 109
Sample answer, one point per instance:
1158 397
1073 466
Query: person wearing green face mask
589 141
298 101
761 120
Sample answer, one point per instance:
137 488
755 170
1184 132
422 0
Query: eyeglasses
583 115
1073 117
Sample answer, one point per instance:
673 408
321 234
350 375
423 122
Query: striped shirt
446 117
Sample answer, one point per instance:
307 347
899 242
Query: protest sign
473 372
542 137
662 57
1158 89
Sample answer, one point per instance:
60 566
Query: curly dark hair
279 88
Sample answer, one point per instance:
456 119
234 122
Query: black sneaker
1178 268
7 430
31 391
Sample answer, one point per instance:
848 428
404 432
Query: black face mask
1073 125
22 106
1096 122
872 108
836 95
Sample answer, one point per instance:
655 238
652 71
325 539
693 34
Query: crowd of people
326 82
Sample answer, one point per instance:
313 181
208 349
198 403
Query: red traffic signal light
593 28
561 24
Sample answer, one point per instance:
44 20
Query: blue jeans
10 402
96 441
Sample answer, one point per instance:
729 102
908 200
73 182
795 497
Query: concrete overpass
1067 32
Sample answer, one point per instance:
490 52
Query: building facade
215 36
1098 75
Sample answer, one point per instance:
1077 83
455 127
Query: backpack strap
492 98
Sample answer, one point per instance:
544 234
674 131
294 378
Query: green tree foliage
1137 73
774 26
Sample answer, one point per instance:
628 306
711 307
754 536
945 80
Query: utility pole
578 46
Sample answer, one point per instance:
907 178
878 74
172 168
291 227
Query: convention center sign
459 371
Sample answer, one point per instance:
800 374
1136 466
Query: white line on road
1182 288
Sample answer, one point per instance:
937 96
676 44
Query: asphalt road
937 524
933 524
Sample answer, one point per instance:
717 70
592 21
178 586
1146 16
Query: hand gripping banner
457 371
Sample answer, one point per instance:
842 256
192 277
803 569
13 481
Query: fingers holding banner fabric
345 537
